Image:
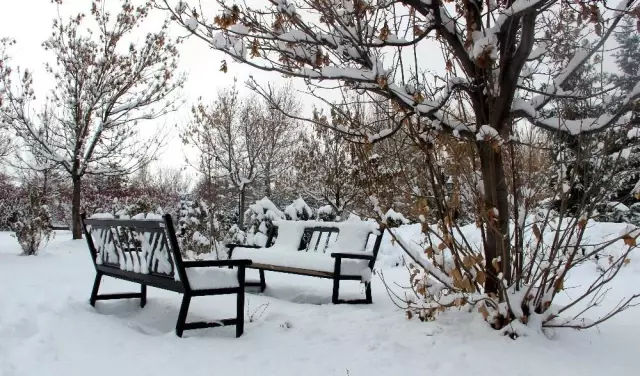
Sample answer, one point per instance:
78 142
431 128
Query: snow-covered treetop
494 55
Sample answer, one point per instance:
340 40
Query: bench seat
304 261
203 278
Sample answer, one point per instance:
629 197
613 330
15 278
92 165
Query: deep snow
47 327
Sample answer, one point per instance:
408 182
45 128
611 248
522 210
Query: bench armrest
205 263
351 256
234 245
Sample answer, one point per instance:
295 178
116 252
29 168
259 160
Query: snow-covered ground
47 327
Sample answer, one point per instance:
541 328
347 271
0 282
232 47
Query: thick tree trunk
241 204
75 209
267 180
211 208
497 244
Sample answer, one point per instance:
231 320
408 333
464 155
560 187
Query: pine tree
623 205
9 201
193 228
627 56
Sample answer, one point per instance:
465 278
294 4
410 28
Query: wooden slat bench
147 252
332 250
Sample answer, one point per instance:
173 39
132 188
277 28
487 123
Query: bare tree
105 89
229 133
280 133
325 169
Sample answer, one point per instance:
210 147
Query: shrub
193 228
298 211
259 221
31 222
327 214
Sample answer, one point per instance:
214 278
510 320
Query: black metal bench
316 238
147 252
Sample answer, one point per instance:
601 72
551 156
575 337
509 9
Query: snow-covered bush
138 205
193 228
298 211
327 214
226 220
259 219
395 219
234 235
31 222
125 201
620 213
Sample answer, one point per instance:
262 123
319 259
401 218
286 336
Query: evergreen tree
626 144
627 57
193 227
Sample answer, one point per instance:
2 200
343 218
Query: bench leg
94 291
143 298
335 298
96 287
182 316
369 298
263 283
240 303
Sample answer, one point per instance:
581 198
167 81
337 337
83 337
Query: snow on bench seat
212 278
321 262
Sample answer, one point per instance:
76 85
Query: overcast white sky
29 22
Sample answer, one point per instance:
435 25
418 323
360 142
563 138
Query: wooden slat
286 269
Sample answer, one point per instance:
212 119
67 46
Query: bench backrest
325 237
144 246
